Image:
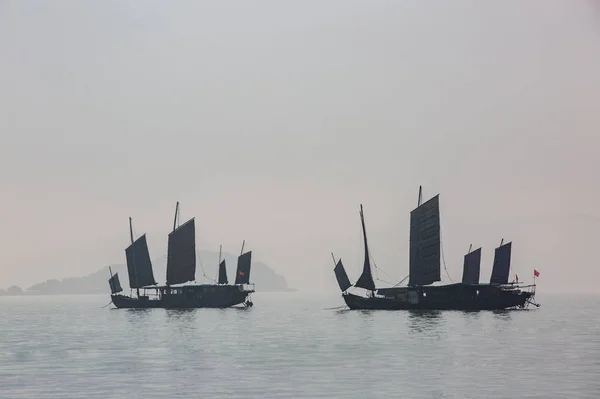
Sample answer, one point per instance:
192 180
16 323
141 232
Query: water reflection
428 322
182 320
502 314
181 315
468 312
342 310
237 308
367 314
469 319
137 317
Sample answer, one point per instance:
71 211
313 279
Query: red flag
536 273
517 277
241 273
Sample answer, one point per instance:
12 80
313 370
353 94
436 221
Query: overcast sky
271 121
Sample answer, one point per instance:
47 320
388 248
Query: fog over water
272 121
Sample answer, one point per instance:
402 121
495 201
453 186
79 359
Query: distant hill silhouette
13 290
265 278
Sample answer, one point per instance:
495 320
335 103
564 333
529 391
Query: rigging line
106 305
401 281
443 257
204 274
383 281
384 272
377 268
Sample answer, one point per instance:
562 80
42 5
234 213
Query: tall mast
176 214
242 252
425 242
219 264
174 227
133 252
181 251
366 278
362 220
131 230
110 281
367 258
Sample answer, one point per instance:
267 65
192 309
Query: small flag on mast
536 273
517 277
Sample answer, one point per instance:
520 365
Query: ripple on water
290 346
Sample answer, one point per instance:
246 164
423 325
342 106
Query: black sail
242 274
115 284
501 267
471 267
139 266
181 254
341 276
366 278
222 273
424 262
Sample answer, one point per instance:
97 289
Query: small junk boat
181 269
424 269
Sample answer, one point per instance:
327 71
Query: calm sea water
290 345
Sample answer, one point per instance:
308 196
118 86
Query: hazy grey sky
271 121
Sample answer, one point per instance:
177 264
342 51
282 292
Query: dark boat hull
448 297
187 297
127 302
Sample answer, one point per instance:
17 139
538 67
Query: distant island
265 278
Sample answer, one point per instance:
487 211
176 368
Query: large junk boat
424 270
181 269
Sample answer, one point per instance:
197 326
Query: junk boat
181 269
424 270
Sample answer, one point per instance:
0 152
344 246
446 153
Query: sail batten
501 268
366 278
472 267
242 274
341 276
139 265
222 273
115 284
424 262
181 254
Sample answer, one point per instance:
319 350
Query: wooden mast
219 263
174 227
367 257
176 214
110 281
133 254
